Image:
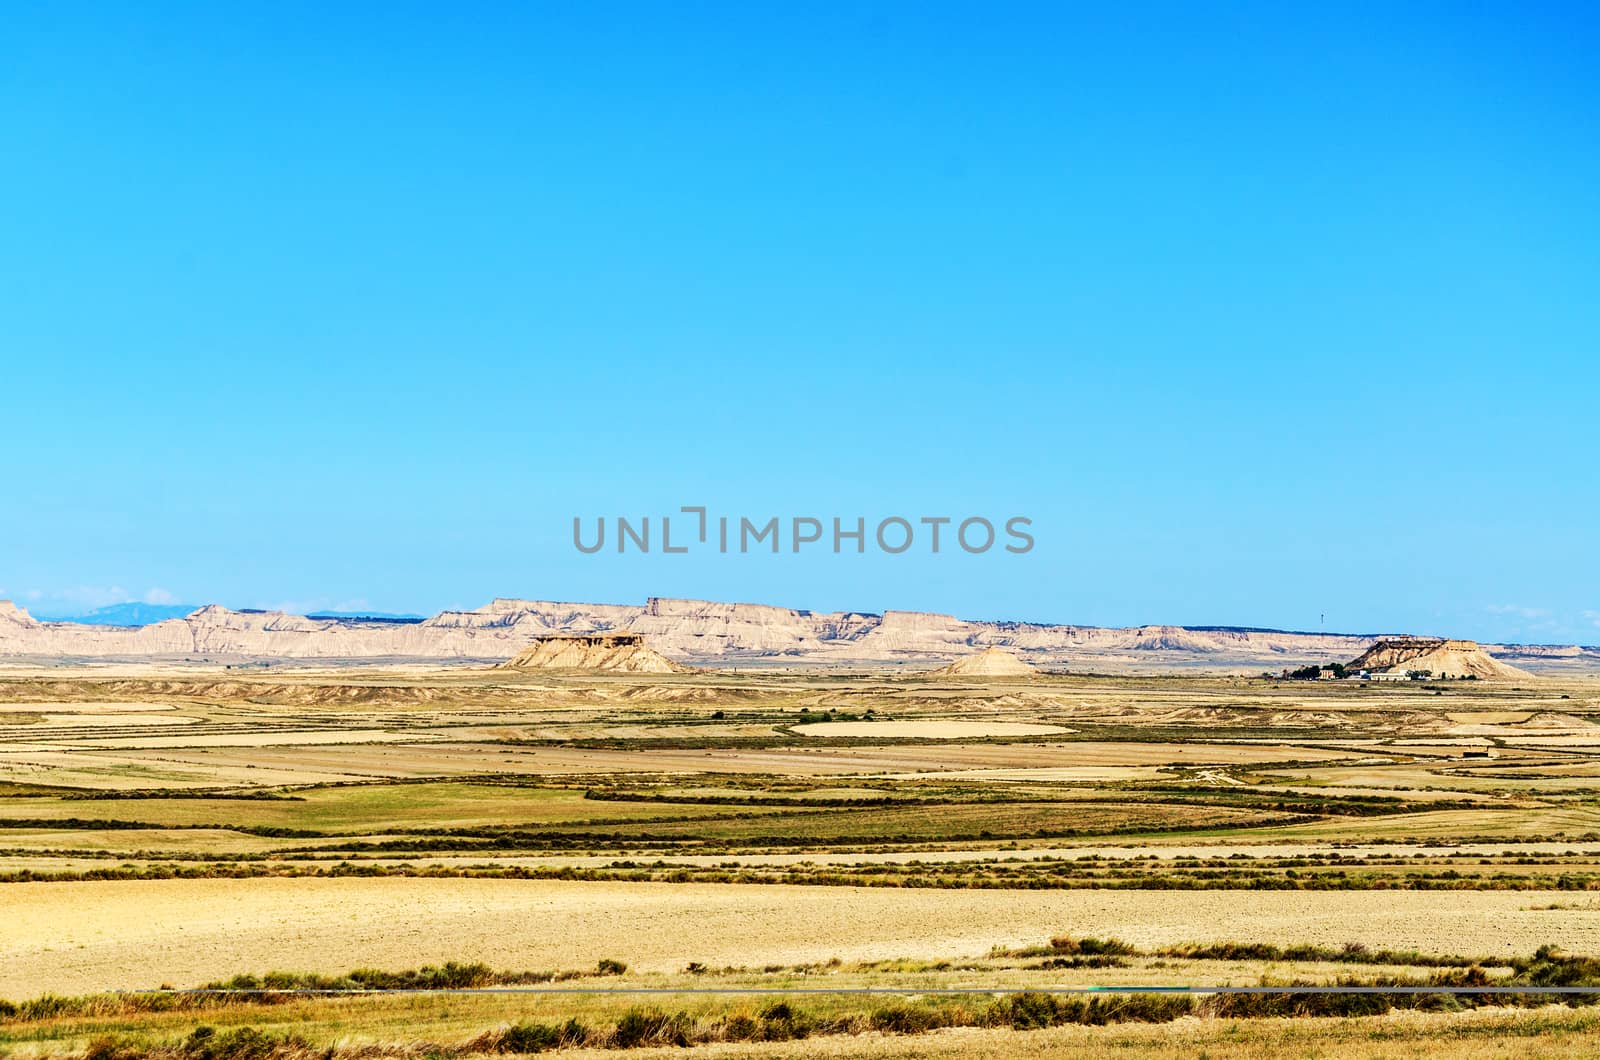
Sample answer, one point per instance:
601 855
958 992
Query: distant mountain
128 614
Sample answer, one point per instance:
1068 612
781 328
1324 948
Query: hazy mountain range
134 613
126 614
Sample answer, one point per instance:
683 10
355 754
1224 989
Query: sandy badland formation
613 652
1437 656
990 662
697 631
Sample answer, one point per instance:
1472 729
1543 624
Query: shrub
906 1019
530 1038
240 1043
781 1021
1083 962
46 1006
1031 1010
1550 967
650 1027
1252 1005
1091 947
741 1028
1145 1008
1026 1011
450 976
108 1047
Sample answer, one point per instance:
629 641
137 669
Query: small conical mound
990 662
612 652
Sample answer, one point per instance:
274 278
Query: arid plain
966 843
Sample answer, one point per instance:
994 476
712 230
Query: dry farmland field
790 864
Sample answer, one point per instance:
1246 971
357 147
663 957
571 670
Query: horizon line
356 615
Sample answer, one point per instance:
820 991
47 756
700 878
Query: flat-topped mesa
1393 650
597 640
1437 656
616 652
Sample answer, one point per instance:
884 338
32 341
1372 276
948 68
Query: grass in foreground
281 1016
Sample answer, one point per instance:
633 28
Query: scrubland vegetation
251 1017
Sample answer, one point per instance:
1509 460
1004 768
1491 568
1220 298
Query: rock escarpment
612 652
700 631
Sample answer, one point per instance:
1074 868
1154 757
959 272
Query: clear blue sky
1259 311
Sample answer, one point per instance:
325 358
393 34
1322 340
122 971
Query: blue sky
1259 313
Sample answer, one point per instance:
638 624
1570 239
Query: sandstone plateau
709 633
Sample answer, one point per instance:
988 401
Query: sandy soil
293 757
1065 774
932 729
247 739
73 707
824 760
1490 717
76 937
101 719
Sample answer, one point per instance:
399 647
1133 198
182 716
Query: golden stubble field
84 936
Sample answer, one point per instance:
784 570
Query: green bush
1031 1010
1144 1008
1550 967
108 1047
742 1028
781 1022
1091 947
239 1043
651 1027
47 1006
1026 1011
907 1019
530 1038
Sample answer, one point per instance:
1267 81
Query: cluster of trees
1339 670
1313 673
